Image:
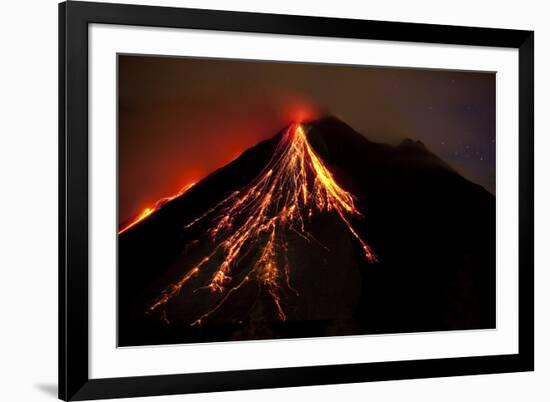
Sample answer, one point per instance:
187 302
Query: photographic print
267 200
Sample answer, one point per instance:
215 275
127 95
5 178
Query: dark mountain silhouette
432 230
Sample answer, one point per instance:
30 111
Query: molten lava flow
148 211
294 186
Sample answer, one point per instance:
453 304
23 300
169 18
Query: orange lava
149 210
294 186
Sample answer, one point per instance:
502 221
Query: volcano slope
315 232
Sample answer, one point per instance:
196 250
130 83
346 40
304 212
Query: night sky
181 118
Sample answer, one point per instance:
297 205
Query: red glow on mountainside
149 210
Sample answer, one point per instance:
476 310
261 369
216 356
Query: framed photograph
257 201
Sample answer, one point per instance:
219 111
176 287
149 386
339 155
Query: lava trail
150 210
294 186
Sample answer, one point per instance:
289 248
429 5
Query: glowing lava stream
148 211
294 186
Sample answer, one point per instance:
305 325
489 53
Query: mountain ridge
407 145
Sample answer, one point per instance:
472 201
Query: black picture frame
74 380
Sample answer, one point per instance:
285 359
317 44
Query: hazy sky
182 118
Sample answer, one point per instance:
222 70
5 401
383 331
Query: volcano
316 231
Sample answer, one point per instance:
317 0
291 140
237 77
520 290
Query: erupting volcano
254 221
314 231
